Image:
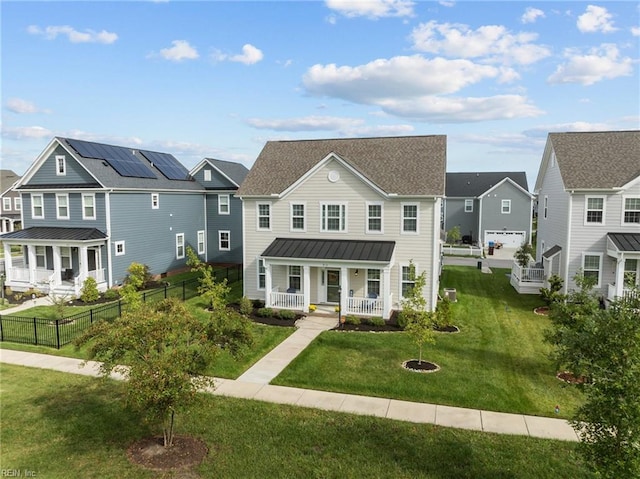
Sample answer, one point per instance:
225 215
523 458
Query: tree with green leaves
213 292
453 235
524 254
419 321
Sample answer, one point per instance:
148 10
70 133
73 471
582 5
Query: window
61 165
374 218
408 279
65 257
595 210
37 209
262 274
631 210
201 242
545 208
333 217
207 175
297 217
224 241
373 282
88 207
155 201
631 273
591 267
17 203
410 218
180 246
468 206
62 206
119 247
264 216
223 204
295 277
41 257
506 207
6 204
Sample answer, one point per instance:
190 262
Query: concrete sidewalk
462 418
42 301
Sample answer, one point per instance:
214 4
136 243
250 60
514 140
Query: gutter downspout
107 207
568 255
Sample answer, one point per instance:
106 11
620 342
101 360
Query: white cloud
541 131
18 105
635 31
74 36
181 50
26 133
531 14
372 8
491 43
308 123
445 3
249 56
601 63
596 19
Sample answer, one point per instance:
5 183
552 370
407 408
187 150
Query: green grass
66 426
497 362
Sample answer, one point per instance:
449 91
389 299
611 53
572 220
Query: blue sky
219 79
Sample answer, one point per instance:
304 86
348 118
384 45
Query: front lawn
66 426
498 361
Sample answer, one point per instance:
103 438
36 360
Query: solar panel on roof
119 158
168 165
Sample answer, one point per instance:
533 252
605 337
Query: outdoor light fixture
356 272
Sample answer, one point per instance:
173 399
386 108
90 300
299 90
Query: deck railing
527 275
287 300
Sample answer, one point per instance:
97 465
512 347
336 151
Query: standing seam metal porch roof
342 250
53 233
629 242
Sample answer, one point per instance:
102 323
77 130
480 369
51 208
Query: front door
333 285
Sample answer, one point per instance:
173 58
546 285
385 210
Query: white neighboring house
338 221
588 189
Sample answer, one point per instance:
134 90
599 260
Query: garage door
510 239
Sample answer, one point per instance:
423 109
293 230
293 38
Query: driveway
502 258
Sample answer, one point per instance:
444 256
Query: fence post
58 333
1 331
119 307
35 331
165 290
144 296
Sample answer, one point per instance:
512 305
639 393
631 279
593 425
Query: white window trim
228 205
58 196
402 218
258 287
545 207
502 205
155 201
294 275
207 175
17 203
220 233
586 210
201 241
84 205
468 205
5 202
304 216
600 265
261 203
379 280
624 200
64 165
402 265
33 209
117 244
381 230
343 227
180 243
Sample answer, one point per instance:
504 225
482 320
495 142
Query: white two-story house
588 191
338 222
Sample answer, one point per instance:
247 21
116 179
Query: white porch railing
98 275
365 306
286 300
612 293
19 274
527 275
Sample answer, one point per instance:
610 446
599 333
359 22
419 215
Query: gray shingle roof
237 172
53 233
471 184
7 178
606 159
410 165
345 250
110 178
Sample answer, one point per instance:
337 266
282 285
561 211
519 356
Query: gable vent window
61 165
155 201
207 175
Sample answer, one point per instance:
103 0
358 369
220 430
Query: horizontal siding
456 216
75 212
231 222
492 217
75 174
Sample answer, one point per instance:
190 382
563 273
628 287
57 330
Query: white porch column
7 261
620 276
306 287
344 288
31 252
267 285
57 266
11 222
386 289
84 263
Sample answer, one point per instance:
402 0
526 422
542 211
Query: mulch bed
420 367
570 378
150 453
448 329
542 310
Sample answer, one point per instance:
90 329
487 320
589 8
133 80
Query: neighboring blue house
221 180
91 209
490 206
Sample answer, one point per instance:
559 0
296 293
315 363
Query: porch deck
527 280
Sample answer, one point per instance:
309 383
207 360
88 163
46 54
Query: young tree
453 236
552 293
523 254
213 292
419 321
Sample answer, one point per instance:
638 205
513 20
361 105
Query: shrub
89 292
139 275
443 313
286 314
258 303
111 294
265 312
552 293
453 236
246 306
350 319
403 319
377 321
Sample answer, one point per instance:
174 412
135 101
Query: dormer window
61 165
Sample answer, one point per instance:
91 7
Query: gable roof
597 160
234 172
471 185
408 165
7 179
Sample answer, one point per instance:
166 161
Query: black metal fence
59 332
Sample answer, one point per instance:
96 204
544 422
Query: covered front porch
624 249
354 276
55 260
